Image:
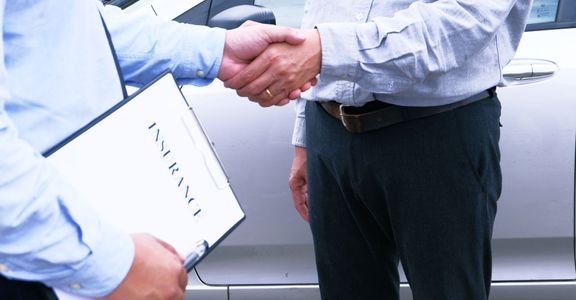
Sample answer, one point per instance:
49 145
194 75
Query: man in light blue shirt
57 73
396 147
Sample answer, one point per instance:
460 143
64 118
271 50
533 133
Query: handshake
270 65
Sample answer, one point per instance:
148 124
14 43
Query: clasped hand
270 65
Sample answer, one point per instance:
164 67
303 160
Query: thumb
277 34
249 23
170 248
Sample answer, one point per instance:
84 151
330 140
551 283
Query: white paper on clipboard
148 166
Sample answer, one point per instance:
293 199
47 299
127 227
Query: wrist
223 71
314 44
299 151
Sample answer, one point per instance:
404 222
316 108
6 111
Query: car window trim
550 25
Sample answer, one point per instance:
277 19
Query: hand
245 43
280 70
157 272
298 182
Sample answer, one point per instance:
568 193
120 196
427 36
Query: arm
146 46
427 39
298 182
298 179
391 54
47 232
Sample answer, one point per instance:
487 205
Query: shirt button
200 74
359 17
4 268
76 286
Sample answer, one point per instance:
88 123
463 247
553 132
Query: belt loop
492 91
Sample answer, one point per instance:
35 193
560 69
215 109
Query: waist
377 114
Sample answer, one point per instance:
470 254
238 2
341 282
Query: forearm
147 47
391 54
47 233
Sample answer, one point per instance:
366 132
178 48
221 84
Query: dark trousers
422 193
23 290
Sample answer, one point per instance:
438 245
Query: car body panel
534 229
270 255
533 238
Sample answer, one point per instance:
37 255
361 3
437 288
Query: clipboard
147 165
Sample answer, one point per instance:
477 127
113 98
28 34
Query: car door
534 230
270 255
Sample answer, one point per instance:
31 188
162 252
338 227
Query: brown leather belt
377 114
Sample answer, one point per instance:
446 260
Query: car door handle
525 71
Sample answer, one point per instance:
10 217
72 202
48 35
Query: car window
543 11
119 3
545 14
552 14
184 11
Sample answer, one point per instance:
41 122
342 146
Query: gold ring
269 93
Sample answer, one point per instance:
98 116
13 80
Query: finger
304 209
299 190
250 23
264 100
264 88
169 248
258 87
277 34
283 90
301 204
280 98
283 102
183 279
281 86
314 81
180 296
306 86
295 94
254 70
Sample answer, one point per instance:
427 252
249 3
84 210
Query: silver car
270 256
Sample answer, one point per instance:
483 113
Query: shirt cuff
104 269
299 134
339 51
201 70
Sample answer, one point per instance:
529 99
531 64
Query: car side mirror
235 16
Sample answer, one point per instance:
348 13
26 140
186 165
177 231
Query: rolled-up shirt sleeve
392 54
299 133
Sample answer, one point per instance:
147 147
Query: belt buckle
342 119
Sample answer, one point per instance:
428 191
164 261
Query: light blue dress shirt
408 52
58 73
